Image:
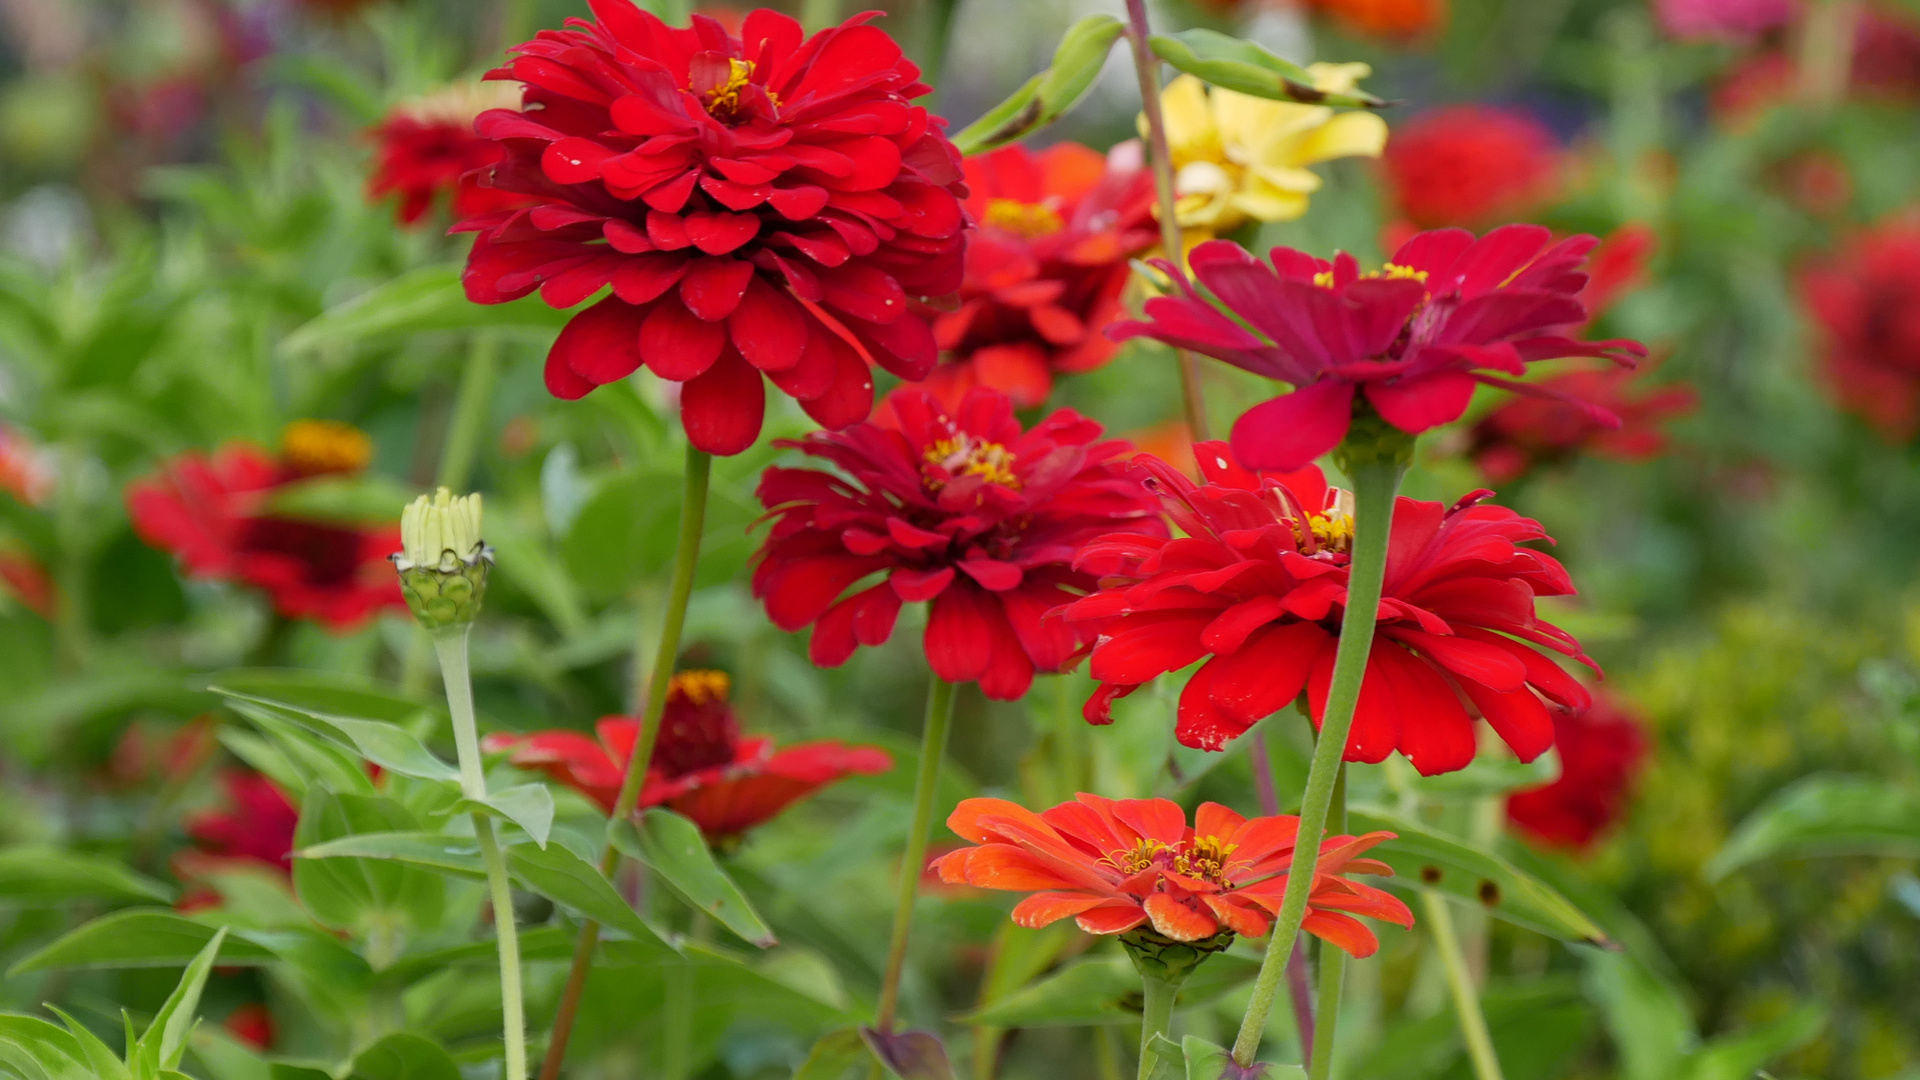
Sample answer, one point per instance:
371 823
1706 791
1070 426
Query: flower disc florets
443 561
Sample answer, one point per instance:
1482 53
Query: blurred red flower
1886 67
1390 19
1865 304
701 766
958 508
26 468
1528 432
215 514
1601 752
758 208
427 148
1117 864
28 582
1471 165
1259 584
252 1024
1415 338
1045 269
257 823
1723 20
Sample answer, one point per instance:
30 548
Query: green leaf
1244 66
572 882
672 847
165 1040
1425 857
37 874
429 298
456 855
378 900
1206 1061
344 500
1824 815
379 741
529 806
835 1053
38 1050
1535 1028
405 1056
98 1055
140 937
1742 1054
1650 1024
312 760
1103 990
319 691
1046 97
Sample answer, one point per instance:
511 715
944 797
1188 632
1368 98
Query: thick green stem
1438 918
451 645
1333 961
1156 1018
1375 485
686 559
933 747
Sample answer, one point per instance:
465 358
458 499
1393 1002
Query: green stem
1375 485
1156 1018
676 1059
933 747
1299 980
1826 51
686 559
1106 1055
451 645
1333 961
1438 919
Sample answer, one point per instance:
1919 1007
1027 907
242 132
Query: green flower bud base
1372 441
1157 956
446 598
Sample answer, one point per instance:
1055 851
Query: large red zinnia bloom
1115 864
427 147
961 509
1471 164
1865 304
765 204
256 824
1259 584
1414 338
1601 753
701 765
1045 269
1529 432
213 513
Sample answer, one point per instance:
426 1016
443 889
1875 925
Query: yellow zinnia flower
1237 157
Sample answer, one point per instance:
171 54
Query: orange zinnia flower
1118 864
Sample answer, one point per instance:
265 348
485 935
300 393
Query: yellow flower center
724 101
314 447
1332 529
1136 858
964 455
1024 219
1389 272
1205 858
699 686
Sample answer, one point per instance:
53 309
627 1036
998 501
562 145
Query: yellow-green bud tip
440 532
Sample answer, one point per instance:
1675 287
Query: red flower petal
722 408
677 344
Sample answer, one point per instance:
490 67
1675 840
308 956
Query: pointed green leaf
572 882
37 1050
1046 97
382 901
405 1056
1744 1053
38 874
1425 857
1824 815
317 761
422 300
672 847
836 1052
98 1055
165 1040
140 937
529 806
379 741
457 855
1248 68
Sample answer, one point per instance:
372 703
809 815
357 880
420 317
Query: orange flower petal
1212 819
1042 909
1341 931
1004 866
1114 919
966 822
1239 917
1178 920
1155 819
952 867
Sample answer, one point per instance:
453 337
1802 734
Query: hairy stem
933 747
451 645
1333 961
686 558
1438 918
1299 979
1375 485
1156 1017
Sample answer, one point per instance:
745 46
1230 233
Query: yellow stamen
699 686
1324 279
1206 858
1396 272
725 100
1025 219
313 447
964 455
1136 858
1332 530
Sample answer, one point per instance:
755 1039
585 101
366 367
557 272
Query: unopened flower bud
1157 956
444 562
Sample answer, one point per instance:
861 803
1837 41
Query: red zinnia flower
1865 303
1601 752
1528 432
213 513
428 147
1415 338
1386 18
1045 269
760 207
26 468
1117 864
257 824
252 1024
1470 165
1259 584
701 766
958 508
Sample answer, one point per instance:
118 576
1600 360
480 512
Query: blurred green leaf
143 937
910 1055
366 499
1742 1054
529 806
834 1054
1824 815
1103 990
1652 1030
35 1049
1052 93
1249 68
1535 1029
430 298
673 848
39 874
456 855
380 742
1206 1061
383 902
405 1056
165 1041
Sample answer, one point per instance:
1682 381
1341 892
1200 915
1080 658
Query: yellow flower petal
1189 119
1270 204
1351 134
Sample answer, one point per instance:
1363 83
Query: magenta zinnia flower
759 206
1445 314
963 510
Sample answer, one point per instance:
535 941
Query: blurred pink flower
1723 20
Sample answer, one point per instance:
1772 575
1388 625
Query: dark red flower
701 766
252 1024
1415 338
214 513
1528 432
1601 752
428 148
1045 269
1471 165
28 582
1259 584
1618 266
1392 19
257 823
961 509
1865 302
767 207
